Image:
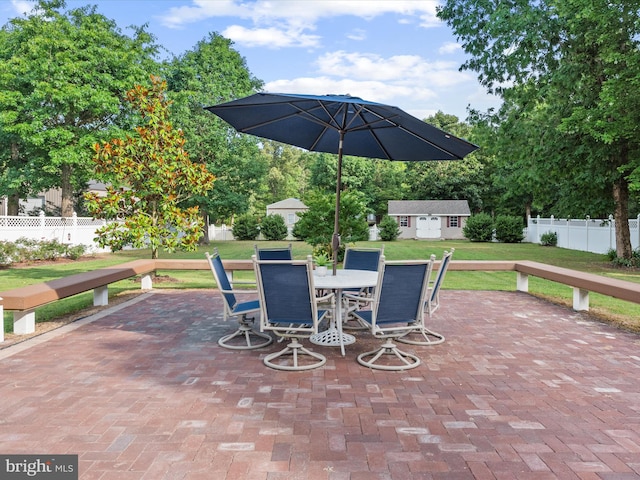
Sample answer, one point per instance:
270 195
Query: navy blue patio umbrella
344 125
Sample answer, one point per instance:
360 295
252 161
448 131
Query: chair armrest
324 298
234 291
358 297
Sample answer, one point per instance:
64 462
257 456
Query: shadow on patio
521 388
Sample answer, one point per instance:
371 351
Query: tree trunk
13 204
67 192
205 237
621 217
13 199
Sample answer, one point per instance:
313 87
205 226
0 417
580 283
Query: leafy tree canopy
63 80
213 72
568 72
151 176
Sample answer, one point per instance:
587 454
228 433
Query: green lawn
619 311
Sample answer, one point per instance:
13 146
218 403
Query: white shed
430 219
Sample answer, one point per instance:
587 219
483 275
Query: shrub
509 229
50 250
479 228
389 230
8 252
618 262
549 239
273 227
246 227
29 250
611 254
75 252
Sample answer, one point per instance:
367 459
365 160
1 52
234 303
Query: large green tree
213 72
63 78
448 180
315 226
569 72
287 175
150 178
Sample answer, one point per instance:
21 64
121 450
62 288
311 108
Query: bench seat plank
622 289
38 294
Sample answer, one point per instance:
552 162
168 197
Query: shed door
428 227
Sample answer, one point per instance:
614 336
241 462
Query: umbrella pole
335 243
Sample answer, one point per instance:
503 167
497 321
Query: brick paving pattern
521 389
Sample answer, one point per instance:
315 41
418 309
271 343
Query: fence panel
588 235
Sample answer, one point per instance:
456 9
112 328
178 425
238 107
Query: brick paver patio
521 389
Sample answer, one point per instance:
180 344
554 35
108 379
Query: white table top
346 279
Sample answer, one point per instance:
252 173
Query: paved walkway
521 389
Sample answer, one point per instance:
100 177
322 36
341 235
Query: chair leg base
406 360
422 336
352 324
297 352
233 341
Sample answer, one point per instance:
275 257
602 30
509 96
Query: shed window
453 222
403 221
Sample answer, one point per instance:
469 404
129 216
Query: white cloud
450 47
399 69
412 83
366 89
358 35
296 11
270 37
23 6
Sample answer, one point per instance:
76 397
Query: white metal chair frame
421 334
301 328
350 305
232 308
390 330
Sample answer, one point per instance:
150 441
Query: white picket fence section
72 230
220 233
588 234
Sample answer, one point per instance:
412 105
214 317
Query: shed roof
289 203
429 207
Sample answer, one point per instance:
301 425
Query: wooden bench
23 301
582 283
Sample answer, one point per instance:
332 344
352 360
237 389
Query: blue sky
387 51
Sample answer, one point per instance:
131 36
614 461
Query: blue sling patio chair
421 334
357 258
397 303
274 253
245 337
289 308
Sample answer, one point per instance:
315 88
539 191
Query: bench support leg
145 282
1 324
522 282
24 322
580 299
101 296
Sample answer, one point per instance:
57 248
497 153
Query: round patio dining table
343 280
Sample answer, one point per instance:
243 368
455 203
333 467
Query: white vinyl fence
72 230
588 235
